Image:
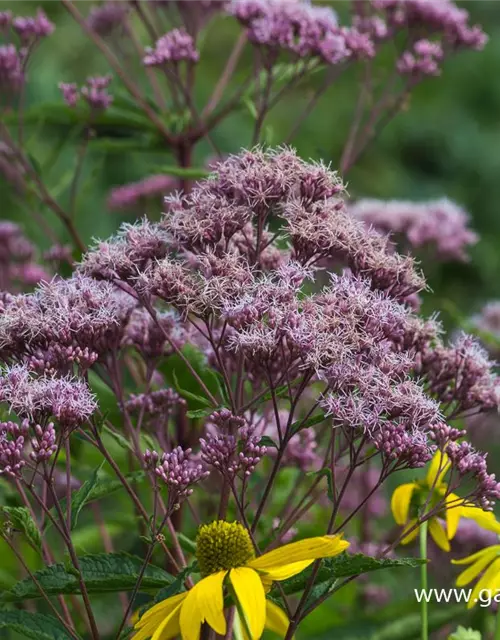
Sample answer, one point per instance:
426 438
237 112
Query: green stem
423 580
497 627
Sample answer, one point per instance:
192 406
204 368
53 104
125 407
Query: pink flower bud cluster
94 92
231 446
12 442
174 47
43 443
177 470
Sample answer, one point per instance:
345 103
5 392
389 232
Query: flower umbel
227 561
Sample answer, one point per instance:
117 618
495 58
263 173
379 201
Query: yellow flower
454 507
226 558
487 560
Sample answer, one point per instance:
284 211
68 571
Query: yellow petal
438 468
406 539
160 610
475 556
484 519
486 580
401 500
190 620
251 598
276 619
204 603
475 569
453 515
168 610
170 627
438 534
285 571
295 552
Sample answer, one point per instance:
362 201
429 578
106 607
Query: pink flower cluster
441 225
300 28
130 195
94 92
174 47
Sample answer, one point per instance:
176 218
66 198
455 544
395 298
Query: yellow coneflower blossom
453 509
487 560
228 564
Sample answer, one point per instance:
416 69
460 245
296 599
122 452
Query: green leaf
178 374
33 625
329 479
184 393
102 573
266 441
193 173
177 585
21 519
298 425
120 439
81 497
201 413
344 565
465 634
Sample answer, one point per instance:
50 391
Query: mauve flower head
155 403
487 323
174 47
468 462
153 337
11 69
300 28
127 254
461 375
95 92
59 253
5 20
130 195
67 399
439 224
105 18
443 17
12 442
422 60
64 322
177 470
30 29
70 93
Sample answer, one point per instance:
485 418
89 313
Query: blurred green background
446 143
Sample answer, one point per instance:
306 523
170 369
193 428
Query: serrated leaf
21 519
344 565
33 625
102 573
81 497
298 425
